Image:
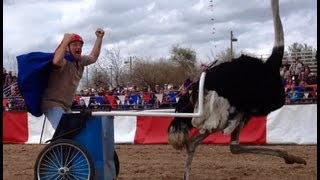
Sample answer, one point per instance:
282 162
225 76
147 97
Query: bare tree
225 55
161 71
112 64
297 47
98 79
185 58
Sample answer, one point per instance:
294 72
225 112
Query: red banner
15 127
153 130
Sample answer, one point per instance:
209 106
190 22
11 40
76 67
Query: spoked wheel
64 159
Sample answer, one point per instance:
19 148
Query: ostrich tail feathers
178 132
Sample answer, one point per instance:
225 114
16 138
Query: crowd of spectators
11 98
128 98
300 86
8 78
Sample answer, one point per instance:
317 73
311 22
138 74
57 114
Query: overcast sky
149 28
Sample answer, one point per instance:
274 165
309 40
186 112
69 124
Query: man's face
76 49
294 60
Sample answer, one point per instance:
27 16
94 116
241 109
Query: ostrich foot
291 159
288 158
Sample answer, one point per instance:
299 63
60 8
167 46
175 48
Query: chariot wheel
64 159
116 163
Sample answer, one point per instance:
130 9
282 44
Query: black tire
61 159
116 162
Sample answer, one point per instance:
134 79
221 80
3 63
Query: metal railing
7 90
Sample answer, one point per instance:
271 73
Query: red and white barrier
295 124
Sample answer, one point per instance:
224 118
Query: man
4 75
65 76
296 67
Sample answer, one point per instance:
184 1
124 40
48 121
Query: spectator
101 91
127 104
288 84
156 89
287 76
283 72
165 89
298 92
286 63
4 75
153 102
306 67
134 89
15 103
312 79
82 103
135 99
91 92
9 79
172 96
118 90
75 104
289 92
14 77
14 90
21 104
305 76
296 67
93 103
10 103
82 93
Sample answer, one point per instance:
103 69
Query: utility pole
232 39
130 63
130 68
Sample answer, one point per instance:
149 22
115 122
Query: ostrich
234 91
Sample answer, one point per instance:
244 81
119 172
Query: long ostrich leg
191 148
236 148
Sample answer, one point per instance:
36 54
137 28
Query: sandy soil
210 162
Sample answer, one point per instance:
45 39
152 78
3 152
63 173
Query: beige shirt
63 84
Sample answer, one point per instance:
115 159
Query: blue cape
33 75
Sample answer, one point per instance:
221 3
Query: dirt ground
211 162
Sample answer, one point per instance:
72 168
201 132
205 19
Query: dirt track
150 162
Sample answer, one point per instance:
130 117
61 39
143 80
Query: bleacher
307 58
